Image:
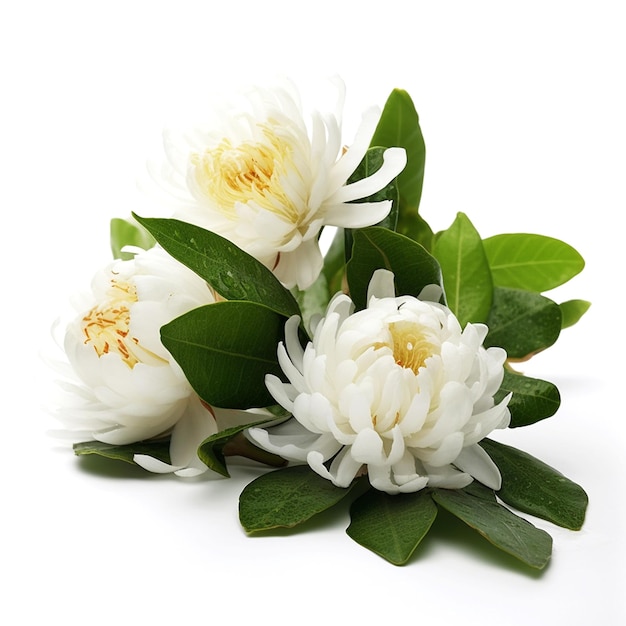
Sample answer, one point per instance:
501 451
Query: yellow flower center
247 172
106 326
411 345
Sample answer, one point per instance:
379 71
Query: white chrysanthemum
398 390
129 387
268 182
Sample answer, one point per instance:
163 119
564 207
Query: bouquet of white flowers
374 368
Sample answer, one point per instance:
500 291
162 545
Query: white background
522 107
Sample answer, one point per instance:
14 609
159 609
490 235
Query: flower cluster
227 330
267 184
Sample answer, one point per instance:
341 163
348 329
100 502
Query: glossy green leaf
533 262
533 399
335 262
466 273
376 248
233 273
572 311
313 300
225 350
159 449
522 322
480 491
399 126
285 498
533 487
126 233
499 525
231 442
392 526
413 225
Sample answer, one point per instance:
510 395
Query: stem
240 446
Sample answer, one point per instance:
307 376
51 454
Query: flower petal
344 468
155 465
293 442
368 448
192 429
350 160
357 215
300 267
381 285
475 461
394 161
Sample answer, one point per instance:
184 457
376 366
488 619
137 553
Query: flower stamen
411 346
107 326
250 171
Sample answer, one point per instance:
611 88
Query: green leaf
522 322
127 233
313 300
285 498
376 248
532 262
392 526
225 350
411 224
233 273
231 442
480 491
533 487
372 162
466 273
572 311
159 449
399 126
533 399
335 262
497 524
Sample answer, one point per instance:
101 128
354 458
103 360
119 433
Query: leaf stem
240 446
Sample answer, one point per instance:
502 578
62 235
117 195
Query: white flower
123 385
268 182
398 390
